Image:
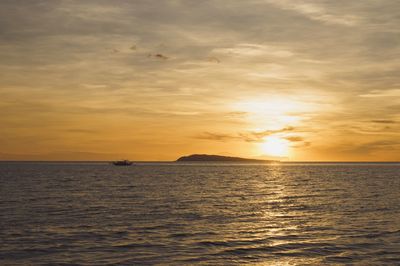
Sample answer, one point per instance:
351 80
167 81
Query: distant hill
218 158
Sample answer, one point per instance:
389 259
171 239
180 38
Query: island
220 158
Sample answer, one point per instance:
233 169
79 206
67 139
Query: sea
94 213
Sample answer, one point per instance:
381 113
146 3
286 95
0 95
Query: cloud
158 56
213 59
374 146
294 138
382 93
237 113
253 50
257 136
316 12
383 121
217 136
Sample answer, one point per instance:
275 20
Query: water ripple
301 214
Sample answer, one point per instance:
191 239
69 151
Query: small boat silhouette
122 163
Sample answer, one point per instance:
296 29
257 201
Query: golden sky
154 80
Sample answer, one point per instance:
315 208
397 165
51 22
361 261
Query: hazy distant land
219 158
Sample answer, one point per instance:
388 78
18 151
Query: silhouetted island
219 158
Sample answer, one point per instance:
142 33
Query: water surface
207 214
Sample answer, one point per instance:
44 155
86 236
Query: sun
275 146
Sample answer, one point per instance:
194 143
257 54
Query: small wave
190 235
231 243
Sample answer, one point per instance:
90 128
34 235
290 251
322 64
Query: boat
122 163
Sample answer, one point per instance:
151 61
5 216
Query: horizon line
175 161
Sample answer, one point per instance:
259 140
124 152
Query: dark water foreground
96 214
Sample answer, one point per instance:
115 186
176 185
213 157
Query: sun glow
275 146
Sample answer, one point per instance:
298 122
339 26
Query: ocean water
199 214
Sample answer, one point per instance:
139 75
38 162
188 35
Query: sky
155 80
